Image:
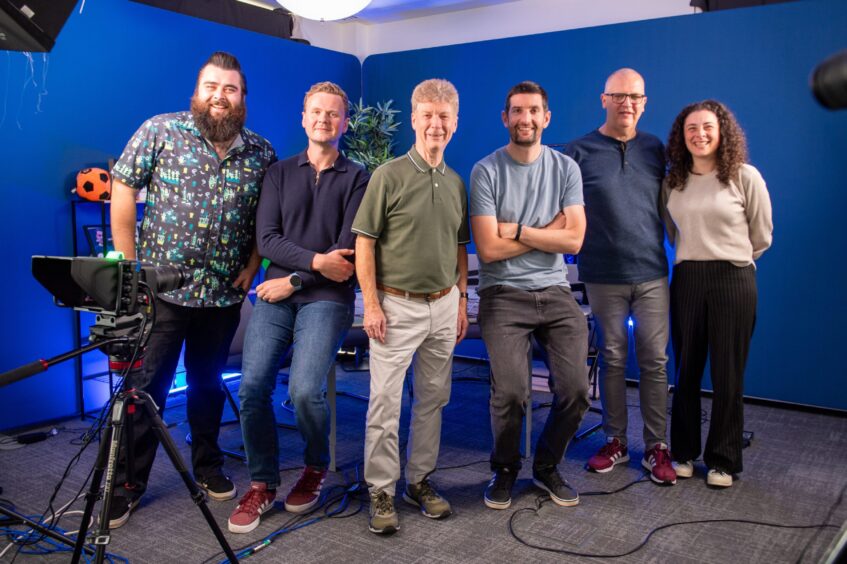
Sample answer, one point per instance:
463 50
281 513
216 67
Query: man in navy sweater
625 270
306 209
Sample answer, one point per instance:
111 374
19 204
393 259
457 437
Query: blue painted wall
758 62
113 66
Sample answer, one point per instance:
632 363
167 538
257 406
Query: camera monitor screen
86 283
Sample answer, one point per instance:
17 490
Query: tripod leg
105 463
176 459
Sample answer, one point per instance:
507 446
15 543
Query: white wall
521 17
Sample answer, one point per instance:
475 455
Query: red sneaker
658 461
609 456
256 501
305 493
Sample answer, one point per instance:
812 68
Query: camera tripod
119 338
128 402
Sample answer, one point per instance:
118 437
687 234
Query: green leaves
369 138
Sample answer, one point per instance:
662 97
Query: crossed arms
495 241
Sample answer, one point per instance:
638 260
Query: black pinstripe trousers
713 312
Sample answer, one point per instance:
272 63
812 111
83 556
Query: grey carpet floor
795 469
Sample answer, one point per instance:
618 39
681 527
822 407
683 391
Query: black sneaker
120 509
498 494
218 487
560 490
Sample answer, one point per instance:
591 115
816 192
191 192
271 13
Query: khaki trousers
428 329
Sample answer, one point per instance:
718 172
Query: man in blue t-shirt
624 267
526 210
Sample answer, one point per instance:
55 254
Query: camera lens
163 278
829 81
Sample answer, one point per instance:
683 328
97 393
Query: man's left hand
461 323
274 290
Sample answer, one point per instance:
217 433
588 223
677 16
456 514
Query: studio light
324 10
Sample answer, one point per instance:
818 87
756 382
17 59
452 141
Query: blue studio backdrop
114 65
757 61
118 63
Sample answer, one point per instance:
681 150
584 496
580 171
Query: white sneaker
684 469
718 478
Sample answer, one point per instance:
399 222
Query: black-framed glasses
620 98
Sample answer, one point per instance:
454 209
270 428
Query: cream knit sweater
711 221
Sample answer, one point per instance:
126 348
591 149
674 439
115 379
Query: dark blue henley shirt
621 183
301 214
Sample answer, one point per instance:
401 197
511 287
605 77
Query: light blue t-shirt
530 194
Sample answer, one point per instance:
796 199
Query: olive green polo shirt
418 215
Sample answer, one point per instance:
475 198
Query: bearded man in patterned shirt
203 171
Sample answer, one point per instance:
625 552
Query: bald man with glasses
624 266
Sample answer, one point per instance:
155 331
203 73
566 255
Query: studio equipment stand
122 295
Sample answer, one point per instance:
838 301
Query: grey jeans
648 303
508 317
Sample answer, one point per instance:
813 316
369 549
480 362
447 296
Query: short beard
222 129
520 143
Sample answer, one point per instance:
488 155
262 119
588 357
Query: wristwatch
296 281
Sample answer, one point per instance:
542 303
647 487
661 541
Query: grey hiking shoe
423 495
384 520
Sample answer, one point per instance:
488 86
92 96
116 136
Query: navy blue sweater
299 217
621 183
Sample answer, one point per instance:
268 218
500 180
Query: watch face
296 281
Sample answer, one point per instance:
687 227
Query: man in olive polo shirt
412 265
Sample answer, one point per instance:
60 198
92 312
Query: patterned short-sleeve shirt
201 210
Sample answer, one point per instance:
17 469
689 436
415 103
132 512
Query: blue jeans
315 330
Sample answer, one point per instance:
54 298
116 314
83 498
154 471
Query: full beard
218 129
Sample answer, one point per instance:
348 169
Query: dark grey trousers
508 318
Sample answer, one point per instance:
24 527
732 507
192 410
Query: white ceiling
397 25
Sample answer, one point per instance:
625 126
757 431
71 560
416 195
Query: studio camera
105 286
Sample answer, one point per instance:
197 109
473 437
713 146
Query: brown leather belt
431 296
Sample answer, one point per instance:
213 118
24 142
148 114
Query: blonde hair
436 90
329 88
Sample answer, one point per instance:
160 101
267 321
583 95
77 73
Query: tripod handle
41 364
22 372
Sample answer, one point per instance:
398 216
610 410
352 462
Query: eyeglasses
619 98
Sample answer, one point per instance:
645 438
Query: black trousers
207 334
508 318
713 312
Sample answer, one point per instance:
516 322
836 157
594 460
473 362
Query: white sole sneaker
622 460
684 469
497 504
649 467
560 501
718 479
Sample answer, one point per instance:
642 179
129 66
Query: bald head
624 100
626 75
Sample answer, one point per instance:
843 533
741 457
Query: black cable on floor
541 500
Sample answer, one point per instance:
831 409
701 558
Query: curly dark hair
732 151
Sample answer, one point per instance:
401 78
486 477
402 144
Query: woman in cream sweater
718 216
